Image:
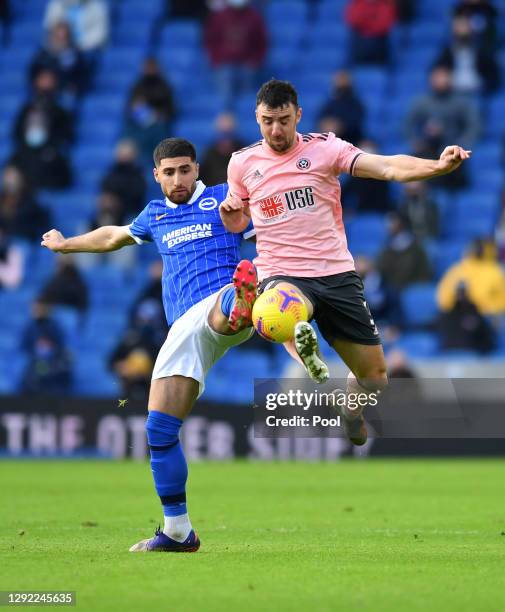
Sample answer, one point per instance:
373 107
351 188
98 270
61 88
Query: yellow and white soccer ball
276 312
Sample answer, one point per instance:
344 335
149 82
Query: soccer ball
276 312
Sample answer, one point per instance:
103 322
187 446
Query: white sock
353 386
177 527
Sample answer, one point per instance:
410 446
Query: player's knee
162 433
372 378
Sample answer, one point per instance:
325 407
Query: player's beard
282 145
181 196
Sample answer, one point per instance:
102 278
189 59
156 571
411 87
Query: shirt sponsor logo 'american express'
189 232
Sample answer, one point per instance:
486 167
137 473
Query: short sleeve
249 231
139 228
235 183
343 154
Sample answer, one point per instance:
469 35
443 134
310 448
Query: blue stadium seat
327 33
182 33
69 319
206 106
132 32
321 60
10 104
444 254
183 58
26 34
474 215
428 34
331 11
286 11
419 305
282 65
419 344
119 58
286 36
370 83
98 132
102 107
370 227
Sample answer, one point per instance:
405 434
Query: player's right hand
53 240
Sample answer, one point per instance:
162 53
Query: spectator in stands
109 212
483 278
11 262
213 168
153 289
343 113
370 22
463 327
150 110
236 40
483 17
399 367
439 118
20 214
125 179
474 69
405 10
367 195
419 208
5 20
66 287
186 9
49 363
133 358
380 296
42 133
60 55
89 23
403 260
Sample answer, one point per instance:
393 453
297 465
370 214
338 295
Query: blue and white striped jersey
199 254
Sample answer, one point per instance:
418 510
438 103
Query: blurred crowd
235 35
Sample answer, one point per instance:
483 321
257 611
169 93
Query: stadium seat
418 305
443 254
182 33
420 345
286 11
474 215
331 11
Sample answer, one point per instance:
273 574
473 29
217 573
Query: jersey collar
200 188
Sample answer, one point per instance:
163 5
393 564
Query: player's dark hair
174 147
276 94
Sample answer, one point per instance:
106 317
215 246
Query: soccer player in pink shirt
287 183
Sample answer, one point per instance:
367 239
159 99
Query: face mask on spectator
36 136
238 3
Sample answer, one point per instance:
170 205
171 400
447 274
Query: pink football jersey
294 199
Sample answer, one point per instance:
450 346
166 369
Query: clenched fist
54 241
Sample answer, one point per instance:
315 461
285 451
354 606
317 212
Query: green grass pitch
362 535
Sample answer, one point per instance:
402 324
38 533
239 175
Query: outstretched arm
101 240
405 168
235 214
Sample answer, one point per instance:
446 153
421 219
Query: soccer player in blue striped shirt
207 295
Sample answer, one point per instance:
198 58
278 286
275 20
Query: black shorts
340 309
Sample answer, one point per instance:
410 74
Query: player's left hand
452 157
231 204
